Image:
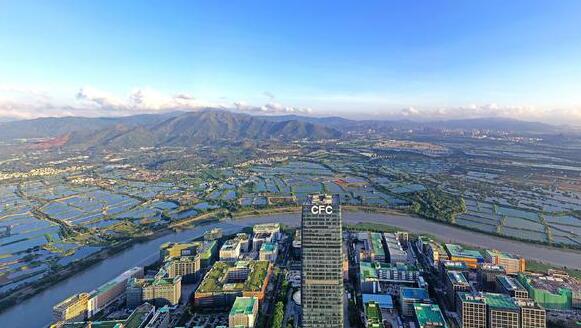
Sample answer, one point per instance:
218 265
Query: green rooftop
376 244
502 255
267 247
459 251
215 279
243 305
500 301
429 315
373 314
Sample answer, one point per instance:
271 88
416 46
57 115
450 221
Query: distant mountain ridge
187 128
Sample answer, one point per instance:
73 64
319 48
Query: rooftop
214 280
384 300
429 315
414 293
373 313
322 199
456 277
471 298
376 244
509 283
268 247
459 251
502 255
243 305
499 301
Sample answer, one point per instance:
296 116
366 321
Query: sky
419 60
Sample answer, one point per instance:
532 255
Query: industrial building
73 308
555 290
374 274
456 282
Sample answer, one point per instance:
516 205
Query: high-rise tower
322 255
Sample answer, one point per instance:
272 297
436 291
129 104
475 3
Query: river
37 311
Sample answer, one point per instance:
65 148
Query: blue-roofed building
409 296
384 301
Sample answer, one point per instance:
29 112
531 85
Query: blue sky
421 59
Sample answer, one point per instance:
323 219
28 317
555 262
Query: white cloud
25 103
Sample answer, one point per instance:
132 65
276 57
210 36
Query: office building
410 296
511 286
472 310
140 317
268 252
456 282
243 313
230 251
270 228
511 263
322 274
394 249
487 274
429 316
502 311
531 315
157 291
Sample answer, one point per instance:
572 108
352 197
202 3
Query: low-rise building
227 280
373 274
471 257
511 263
106 294
373 317
73 308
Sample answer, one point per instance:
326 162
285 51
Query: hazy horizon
397 60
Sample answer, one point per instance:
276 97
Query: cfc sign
322 209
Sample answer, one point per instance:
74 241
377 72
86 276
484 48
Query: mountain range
210 125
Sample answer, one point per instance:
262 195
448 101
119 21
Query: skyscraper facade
322 253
